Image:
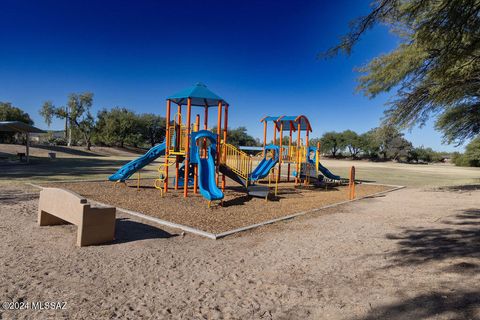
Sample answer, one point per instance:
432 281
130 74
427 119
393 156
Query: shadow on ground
61 168
12 197
66 150
448 305
237 201
127 230
461 188
460 238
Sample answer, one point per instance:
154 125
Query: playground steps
258 191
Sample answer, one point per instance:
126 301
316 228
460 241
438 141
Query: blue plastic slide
327 172
206 169
263 168
206 178
133 166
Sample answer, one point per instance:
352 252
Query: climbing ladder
162 174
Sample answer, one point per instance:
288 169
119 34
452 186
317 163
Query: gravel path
410 254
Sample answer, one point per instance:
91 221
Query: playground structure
203 159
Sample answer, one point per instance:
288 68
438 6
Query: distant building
46 137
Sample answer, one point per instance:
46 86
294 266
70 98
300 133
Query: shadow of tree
460 240
62 167
461 188
456 305
67 150
12 197
127 230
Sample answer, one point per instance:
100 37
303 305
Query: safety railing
237 160
289 154
178 142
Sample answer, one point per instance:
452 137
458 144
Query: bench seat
96 225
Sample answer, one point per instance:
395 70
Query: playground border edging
245 228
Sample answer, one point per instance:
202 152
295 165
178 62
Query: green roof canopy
200 95
18 126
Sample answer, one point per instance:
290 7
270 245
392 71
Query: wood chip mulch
238 209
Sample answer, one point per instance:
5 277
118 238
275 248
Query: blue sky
258 55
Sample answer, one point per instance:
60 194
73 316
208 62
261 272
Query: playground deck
238 209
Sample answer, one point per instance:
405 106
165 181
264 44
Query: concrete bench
95 224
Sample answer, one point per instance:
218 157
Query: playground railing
237 160
178 143
290 154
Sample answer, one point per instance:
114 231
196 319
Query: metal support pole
195 172
27 147
289 151
219 132
224 155
280 159
167 150
187 148
297 178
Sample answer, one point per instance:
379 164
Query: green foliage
152 128
435 69
10 113
354 142
284 141
370 146
385 142
332 142
471 157
115 127
426 155
120 127
77 114
389 143
459 160
240 137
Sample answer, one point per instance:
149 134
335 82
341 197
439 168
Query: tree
78 114
435 70
10 113
353 142
152 128
370 146
332 142
424 154
313 141
284 140
471 157
118 126
240 137
390 143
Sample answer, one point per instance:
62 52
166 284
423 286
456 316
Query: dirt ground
408 254
238 209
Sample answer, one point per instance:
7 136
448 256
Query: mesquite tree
435 70
77 114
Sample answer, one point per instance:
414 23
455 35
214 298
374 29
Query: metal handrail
237 160
182 140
